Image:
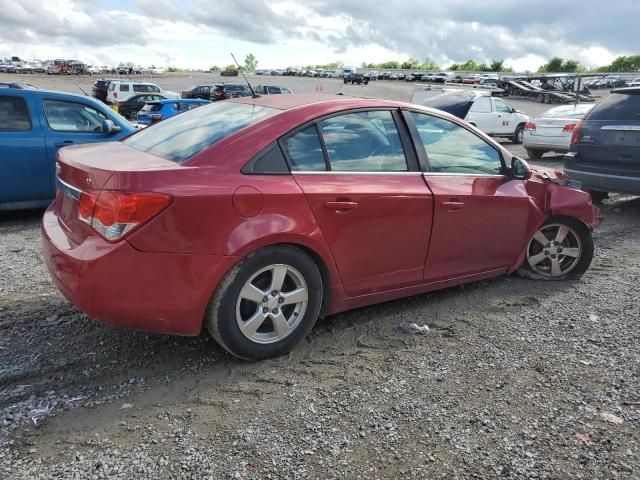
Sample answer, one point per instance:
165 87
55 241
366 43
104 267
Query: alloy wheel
554 250
272 303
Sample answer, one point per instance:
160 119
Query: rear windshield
568 111
181 137
151 107
617 106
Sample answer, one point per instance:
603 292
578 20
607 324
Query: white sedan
551 130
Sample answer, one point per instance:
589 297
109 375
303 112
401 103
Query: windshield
181 137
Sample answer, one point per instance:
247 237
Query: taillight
530 126
115 94
113 214
569 127
575 133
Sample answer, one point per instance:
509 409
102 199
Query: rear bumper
157 292
605 182
553 144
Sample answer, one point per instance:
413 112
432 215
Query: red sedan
254 217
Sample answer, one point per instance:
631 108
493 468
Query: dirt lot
515 379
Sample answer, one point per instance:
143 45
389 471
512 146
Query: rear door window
305 151
14 115
124 87
617 106
273 90
363 142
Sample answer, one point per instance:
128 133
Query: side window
304 150
454 149
481 105
284 90
112 87
153 88
14 115
124 87
363 142
273 90
502 107
63 116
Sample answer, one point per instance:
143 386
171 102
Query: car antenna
81 89
253 93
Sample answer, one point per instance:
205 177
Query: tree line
554 65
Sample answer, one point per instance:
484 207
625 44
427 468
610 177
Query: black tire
220 318
535 154
598 196
583 262
516 135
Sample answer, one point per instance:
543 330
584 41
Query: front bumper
157 292
605 182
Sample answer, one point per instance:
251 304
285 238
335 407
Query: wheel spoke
279 273
253 324
296 296
562 233
536 259
571 252
556 270
280 325
252 293
540 238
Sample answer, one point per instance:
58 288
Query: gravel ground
515 379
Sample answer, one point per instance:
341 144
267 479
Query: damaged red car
254 217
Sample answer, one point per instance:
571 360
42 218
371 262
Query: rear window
567 111
617 106
181 137
14 115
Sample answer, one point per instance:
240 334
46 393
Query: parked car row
224 91
70 67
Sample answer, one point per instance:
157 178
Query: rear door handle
453 205
341 205
64 144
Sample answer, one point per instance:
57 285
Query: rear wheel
561 249
534 154
267 304
518 135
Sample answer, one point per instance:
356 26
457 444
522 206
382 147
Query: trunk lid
87 169
553 127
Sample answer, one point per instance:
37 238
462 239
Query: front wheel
518 135
560 249
267 304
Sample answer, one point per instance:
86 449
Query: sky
201 33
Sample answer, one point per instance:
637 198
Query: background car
18 85
242 216
271 90
122 90
155 111
551 130
34 125
605 145
229 90
130 107
635 82
198 91
99 89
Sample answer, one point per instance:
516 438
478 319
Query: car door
480 215
24 173
481 114
69 122
505 123
368 197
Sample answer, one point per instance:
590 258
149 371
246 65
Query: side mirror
109 127
513 110
520 169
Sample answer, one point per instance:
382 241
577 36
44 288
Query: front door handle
453 205
341 205
64 144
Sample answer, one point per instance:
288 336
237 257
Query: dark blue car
34 124
158 110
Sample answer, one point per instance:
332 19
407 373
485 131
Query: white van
123 90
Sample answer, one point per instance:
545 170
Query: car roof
180 100
297 100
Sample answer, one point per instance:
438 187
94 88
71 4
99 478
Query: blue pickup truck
34 124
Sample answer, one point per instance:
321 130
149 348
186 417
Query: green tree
214 68
496 65
231 68
470 66
429 65
454 67
250 62
412 63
